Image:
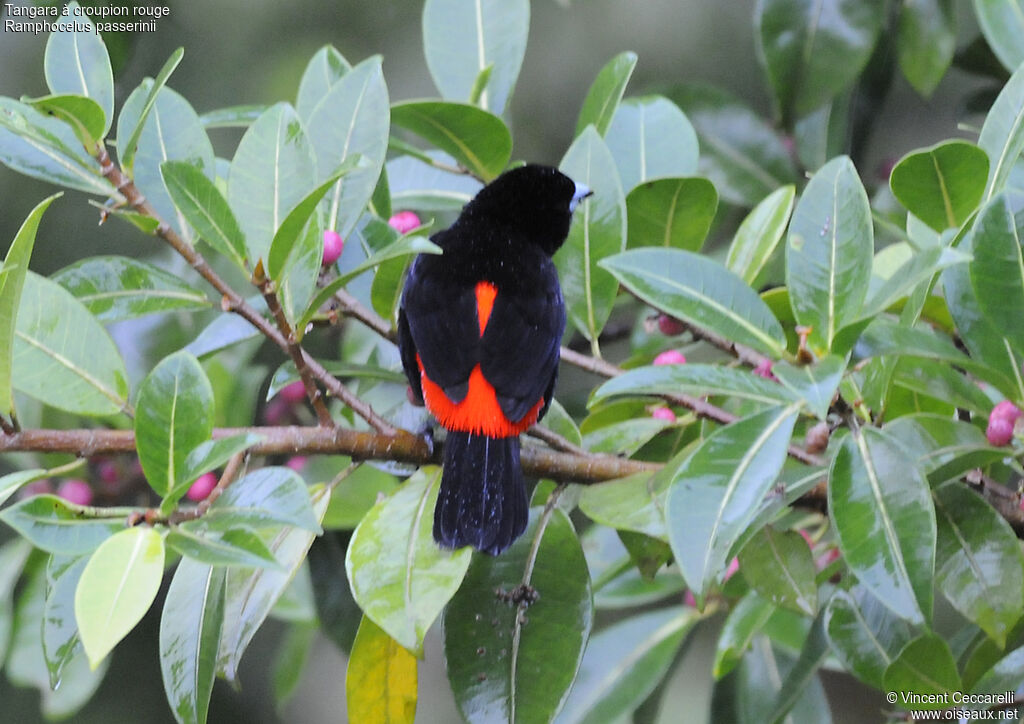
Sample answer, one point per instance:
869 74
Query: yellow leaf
380 686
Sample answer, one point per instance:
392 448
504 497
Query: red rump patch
485 294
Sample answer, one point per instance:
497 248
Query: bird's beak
582 192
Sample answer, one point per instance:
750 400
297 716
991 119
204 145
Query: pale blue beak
582 192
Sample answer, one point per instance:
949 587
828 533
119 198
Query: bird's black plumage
503 241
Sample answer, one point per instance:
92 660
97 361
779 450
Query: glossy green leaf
636 503
778 565
700 291
293 654
11 285
46 148
117 587
352 118
883 515
941 185
264 499
829 250
114 288
1002 24
864 634
324 70
739 151
716 491
810 54
978 562
63 356
801 683
671 212
235 547
84 115
189 632
1004 676
651 138
232 117
205 208
57 526
997 271
380 680
272 171
418 185
60 630
76 61
624 663
174 415
598 231
462 38
402 582
250 595
693 379
759 234
926 37
475 138
225 331
12 482
921 267
356 495
605 93
1002 134
940 382
209 455
624 437
924 667
501 664
942 447
816 383
13 556
131 123
744 622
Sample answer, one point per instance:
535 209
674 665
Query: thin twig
6 427
231 473
556 441
349 306
741 352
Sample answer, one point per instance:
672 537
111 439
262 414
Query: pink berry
764 369
1006 410
277 411
201 488
333 246
734 565
670 357
36 487
75 491
404 222
999 431
108 472
670 326
296 463
293 393
663 413
689 600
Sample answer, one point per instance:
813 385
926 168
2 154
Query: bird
479 335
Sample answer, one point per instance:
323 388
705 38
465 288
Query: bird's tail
482 501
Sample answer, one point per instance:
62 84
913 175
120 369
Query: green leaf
924 667
232 117
778 565
1002 24
324 70
978 562
84 115
716 492
250 595
478 140
997 271
524 677
651 138
824 133
919 268
205 208
57 526
605 93
624 663
266 498
114 288
293 654
816 383
700 291
117 587
402 582
882 511
624 437
190 629
864 634
1003 677
693 379
598 231
272 171
60 630
744 622
380 681
671 212
926 37
175 415
801 680
128 135
211 454
1002 134
11 285
76 61
236 547
828 252
417 185
462 38
943 184
759 234
12 482
811 55
941 447
63 356
352 118
13 556
46 148
635 503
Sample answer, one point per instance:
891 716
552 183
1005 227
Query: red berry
75 491
333 246
663 413
764 369
293 393
404 221
201 488
670 326
670 357
296 463
999 431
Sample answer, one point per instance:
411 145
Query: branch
744 354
